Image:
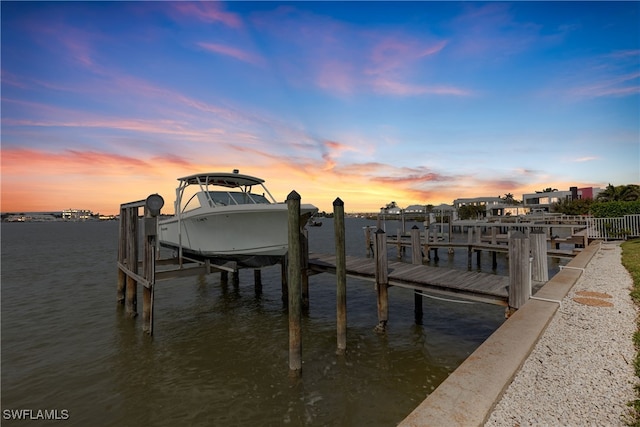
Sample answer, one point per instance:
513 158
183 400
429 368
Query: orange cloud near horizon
38 181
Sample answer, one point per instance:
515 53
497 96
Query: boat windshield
225 198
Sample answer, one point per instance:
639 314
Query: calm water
219 355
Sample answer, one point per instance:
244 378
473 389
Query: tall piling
416 250
416 258
341 276
540 263
122 257
131 298
304 267
149 270
382 280
519 270
294 284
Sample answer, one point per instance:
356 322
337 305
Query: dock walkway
477 286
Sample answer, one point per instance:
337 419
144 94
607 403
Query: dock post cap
338 202
517 235
293 195
380 231
415 227
154 203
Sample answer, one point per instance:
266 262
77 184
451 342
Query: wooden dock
470 285
478 247
527 262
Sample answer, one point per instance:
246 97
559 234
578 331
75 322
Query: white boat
230 216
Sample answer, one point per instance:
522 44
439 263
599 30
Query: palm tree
509 200
620 193
630 192
547 190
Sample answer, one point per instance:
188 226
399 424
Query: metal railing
614 228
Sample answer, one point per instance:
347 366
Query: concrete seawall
468 396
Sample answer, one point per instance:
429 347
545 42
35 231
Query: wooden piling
149 269
427 254
122 257
294 283
341 275
416 258
416 250
304 267
519 270
224 278
235 279
539 266
382 280
417 307
284 272
367 239
257 281
131 298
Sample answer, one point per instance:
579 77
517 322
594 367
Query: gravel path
581 370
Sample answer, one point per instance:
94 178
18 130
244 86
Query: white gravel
580 372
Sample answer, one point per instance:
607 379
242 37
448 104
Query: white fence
614 228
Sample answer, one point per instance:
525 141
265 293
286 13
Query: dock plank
474 285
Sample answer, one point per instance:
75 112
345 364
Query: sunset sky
414 102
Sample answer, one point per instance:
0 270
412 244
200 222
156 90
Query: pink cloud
238 54
14 160
336 76
391 87
491 31
621 85
372 61
392 54
209 12
409 180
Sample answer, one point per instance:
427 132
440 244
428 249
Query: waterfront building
76 214
493 206
543 201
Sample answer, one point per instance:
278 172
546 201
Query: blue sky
416 102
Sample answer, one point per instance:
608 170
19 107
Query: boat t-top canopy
224 179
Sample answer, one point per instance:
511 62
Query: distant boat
226 219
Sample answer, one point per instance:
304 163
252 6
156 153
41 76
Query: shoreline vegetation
631 261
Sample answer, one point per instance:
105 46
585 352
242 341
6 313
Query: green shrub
614 209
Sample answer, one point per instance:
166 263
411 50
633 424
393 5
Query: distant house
415 209
477 201
543 201
492 205
391 211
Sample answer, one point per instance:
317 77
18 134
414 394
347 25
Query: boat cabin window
225 198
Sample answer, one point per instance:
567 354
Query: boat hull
252 235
